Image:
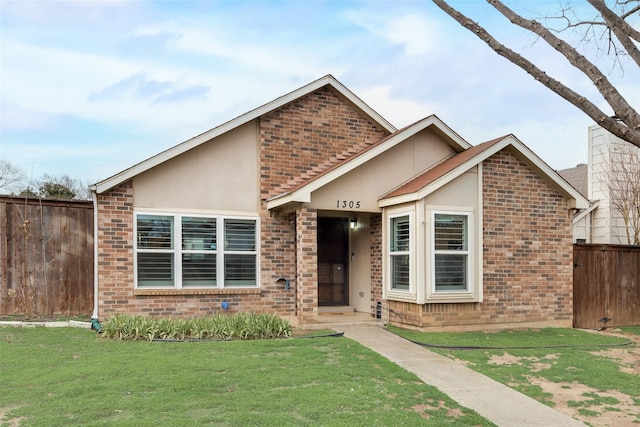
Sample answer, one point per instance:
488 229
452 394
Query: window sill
451 297
228 291
401 296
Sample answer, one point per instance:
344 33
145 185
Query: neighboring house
578 177
315 200
611 177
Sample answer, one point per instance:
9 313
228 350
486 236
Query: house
611 181
314 200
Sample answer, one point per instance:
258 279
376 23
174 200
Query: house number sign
351 204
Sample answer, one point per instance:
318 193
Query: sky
90 88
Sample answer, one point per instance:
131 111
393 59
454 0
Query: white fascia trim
576 200
289 198
587 211
446 178
162 157
304 193
450 133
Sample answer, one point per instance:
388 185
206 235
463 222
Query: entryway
333 261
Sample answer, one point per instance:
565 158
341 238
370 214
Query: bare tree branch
622 181
623 31
620 106
625 125
10 175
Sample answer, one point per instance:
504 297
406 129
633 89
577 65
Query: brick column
376 262
115 250
307 264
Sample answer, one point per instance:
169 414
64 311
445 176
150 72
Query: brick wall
115 249
376 260
527 251
295 139
277 260
298 140
302 136
307 263
116 275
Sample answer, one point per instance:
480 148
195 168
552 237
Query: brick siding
527 256
296 140
301 138
376 260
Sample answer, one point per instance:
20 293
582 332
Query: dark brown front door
333 261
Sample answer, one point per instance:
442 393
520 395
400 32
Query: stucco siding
367 183
220 175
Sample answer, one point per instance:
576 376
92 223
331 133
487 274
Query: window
155 251
451 252
199 250
175 251
400 253
240 253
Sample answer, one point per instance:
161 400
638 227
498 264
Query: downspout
94 317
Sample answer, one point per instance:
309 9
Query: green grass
569 358
68 376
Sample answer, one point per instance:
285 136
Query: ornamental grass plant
243 326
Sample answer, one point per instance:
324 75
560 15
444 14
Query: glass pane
400 272
199 234
240 270
239 235
451 232
155 231
451 272
400 234
155 269
198 269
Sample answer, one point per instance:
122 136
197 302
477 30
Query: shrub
245 326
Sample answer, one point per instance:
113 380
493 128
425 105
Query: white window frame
400 294
177 251
472 293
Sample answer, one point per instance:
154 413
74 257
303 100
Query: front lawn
67 376
583 374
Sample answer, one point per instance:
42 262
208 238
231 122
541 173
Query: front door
333 261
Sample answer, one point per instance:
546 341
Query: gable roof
187 145
453 167
300 191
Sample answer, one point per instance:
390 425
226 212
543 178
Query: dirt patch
535 362
11 422
594 407
425 408
627 357
597 408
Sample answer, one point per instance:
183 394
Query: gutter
94 316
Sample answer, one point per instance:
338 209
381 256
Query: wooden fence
606 284
46 257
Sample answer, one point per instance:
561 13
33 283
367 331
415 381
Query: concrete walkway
494 401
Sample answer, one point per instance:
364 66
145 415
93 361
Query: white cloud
417 34
16 118
400 112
